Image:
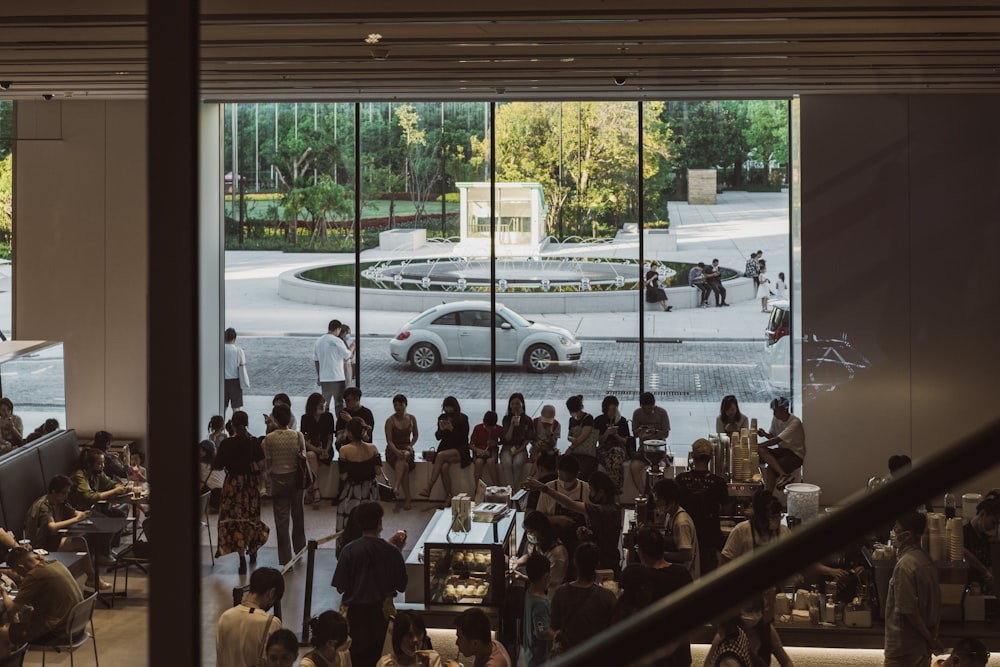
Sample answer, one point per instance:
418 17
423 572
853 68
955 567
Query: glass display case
466 568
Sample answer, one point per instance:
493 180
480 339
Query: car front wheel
424 357
539 358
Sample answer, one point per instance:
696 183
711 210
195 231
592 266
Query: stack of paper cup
956 539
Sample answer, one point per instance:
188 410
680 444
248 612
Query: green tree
326 201
6 199
767 134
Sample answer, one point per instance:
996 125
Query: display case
464 568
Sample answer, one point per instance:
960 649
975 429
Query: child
537 635
137 473
485 442
780 286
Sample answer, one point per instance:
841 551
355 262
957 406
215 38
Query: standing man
48 587
243 630
696 279
682 536
789 441
649 422
329 354
753 269
369 573
714 277
913 603
703 494
234 365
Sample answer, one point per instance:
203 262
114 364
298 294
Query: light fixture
425 282
461 284
585 284
47 96
502 285
380 54
373 38
5 85
620 80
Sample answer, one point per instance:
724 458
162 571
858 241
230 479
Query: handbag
242 364
304 477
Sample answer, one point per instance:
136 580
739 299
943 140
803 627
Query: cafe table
98 530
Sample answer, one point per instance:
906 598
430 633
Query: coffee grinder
657 453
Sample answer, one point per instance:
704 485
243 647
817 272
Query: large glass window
591 224
6 213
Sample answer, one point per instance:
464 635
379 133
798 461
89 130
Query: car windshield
513 317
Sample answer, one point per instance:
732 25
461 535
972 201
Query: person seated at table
330 641
50 425
353 408
968 652
409 635
270 424
49 588
7 542
11 426
282 649
114 466
49 515
90 485
137 467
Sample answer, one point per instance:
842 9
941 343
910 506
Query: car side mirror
506 326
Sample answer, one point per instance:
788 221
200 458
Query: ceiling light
373 38
5 85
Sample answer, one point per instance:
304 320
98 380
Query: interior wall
898 217
80 253
211 261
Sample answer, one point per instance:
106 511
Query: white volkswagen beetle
459 333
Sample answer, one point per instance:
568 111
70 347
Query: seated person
48 426
49 588
352 409
114 467
968 652
789 442
90 485
11 426
547 432
485 446
50 514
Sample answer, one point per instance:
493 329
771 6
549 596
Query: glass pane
723 188
6 214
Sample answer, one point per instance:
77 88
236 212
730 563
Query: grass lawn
259 209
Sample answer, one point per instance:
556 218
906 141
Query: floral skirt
612 459
240 527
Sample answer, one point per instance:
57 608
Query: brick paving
695 371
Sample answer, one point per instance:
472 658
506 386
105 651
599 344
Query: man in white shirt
788 439
329 354
234 359
243 630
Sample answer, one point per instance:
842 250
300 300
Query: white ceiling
309 50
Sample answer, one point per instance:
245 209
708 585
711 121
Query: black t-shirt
366 416
580 613
238 454
661 582
602 422
317 431
606 522
702 494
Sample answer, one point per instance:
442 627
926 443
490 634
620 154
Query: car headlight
563 340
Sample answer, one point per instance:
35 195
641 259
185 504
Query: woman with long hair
613 433
453 447
401 435
978 534
331 641
317 427
518 432
282 448
360 465
730 418
240 529
655 293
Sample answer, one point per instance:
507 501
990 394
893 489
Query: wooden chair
76 630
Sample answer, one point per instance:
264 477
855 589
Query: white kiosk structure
520 219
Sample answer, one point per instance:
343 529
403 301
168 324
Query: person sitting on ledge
789 442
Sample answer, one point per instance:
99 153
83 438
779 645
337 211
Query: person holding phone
453 447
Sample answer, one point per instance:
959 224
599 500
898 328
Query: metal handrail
711 596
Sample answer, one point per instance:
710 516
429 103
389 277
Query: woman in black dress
453 447
317 427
